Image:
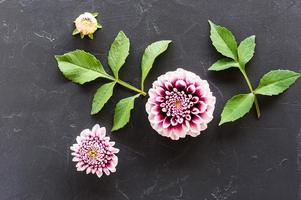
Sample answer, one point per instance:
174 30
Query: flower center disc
178 104
92 153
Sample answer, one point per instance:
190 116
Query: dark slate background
41 112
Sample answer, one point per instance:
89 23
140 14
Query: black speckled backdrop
41 112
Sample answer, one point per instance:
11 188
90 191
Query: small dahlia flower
180 103
86 24
94 152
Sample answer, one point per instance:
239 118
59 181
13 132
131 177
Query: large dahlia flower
180 103
94 152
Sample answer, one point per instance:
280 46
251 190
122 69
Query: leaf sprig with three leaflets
82 67
237 56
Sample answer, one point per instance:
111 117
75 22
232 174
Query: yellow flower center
178 104
92 153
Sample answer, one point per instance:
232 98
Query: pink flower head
180 103
94 152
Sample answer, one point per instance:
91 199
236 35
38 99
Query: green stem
130 87
251 90
124 84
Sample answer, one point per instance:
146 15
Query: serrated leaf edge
252 36
114 70
103 74
113 85
144 76
235 65
223 122
297 75
131 108
235 56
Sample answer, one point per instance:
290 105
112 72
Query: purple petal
166 123
168 85
173 121
180 84
191 89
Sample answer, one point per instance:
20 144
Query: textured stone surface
41 112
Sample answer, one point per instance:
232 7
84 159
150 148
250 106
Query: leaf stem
125 84
241 68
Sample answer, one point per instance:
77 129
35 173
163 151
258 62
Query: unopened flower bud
86 24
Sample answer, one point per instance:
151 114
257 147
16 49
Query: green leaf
236 107
149 56
118 52
246 50
102 95
276 82
223 40
222 64
75 32
123 112
80 66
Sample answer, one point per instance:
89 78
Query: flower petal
168 85
173 121
88 170
197 119
160 99
78 139
75 159
191 89
180 84
195 111
115 160
95 128
99 173
111 168
114 150
106 171
101 132
85 133
166 123
201 106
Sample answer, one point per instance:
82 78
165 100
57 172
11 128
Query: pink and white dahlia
180 103
94 152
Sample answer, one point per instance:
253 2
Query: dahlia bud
180 103
86 24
